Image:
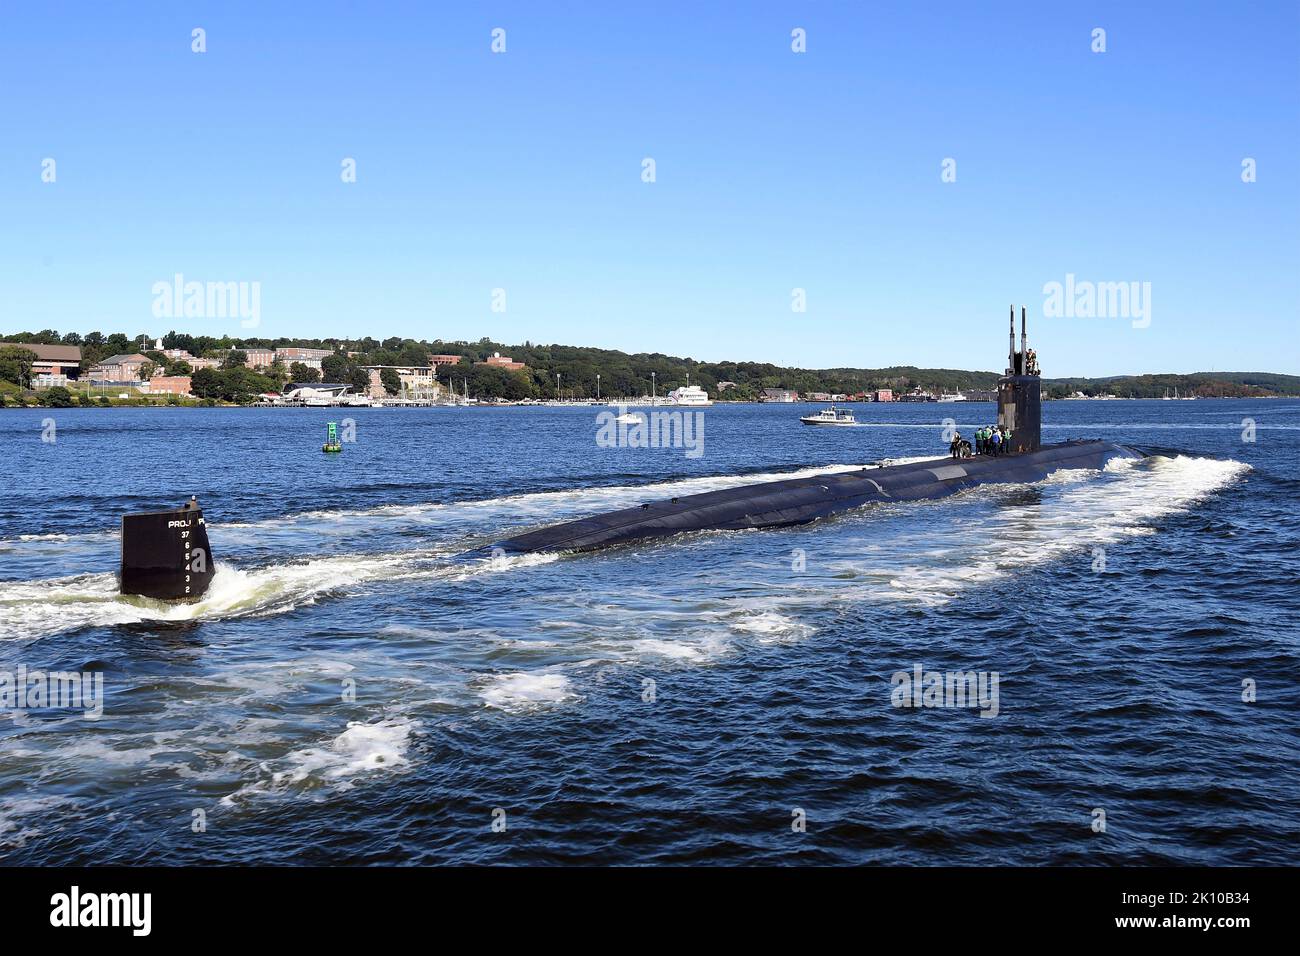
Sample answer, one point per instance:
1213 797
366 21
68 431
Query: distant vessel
630 418
691 395
952 397
830 416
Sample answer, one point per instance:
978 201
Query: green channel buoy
331 438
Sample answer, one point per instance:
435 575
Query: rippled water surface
1122 611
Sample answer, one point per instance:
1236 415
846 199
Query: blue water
1121 610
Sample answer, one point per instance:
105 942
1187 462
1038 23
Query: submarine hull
801 500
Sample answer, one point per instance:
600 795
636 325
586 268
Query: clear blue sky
774 170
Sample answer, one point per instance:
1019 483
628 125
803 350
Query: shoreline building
259 358
503 361
785 395
193 361
166 385
311 358
121 369
315 393
53 365
418 383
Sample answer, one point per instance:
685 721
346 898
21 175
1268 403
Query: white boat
690 395
630 418
952 397
830 416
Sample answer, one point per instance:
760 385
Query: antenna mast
1011 349
1024 343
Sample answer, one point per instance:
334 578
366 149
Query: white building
419 383
316 394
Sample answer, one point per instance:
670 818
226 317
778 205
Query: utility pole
598 386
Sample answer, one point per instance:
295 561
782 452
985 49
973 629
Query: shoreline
139 403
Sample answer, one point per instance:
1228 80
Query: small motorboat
830 416
630 418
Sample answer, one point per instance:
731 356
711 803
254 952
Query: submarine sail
1020 394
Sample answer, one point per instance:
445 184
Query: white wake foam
1081 510
360 749
31 609
525 690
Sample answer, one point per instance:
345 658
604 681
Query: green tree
16 364
235 358
416 356
207 383
243 385
58 397
303 374
334 368
392 382
277 373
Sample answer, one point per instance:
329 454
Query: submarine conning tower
1019 392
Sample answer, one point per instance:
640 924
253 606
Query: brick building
311 358
503 361
119 368
167 385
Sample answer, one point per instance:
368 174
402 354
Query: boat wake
892 552
238 727
990 532
34 609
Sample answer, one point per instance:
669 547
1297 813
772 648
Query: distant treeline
622 374
1200 384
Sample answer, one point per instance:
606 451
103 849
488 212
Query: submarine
165 554
795 501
